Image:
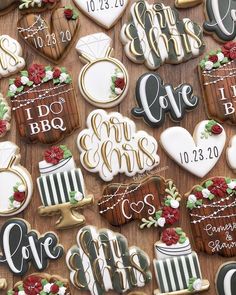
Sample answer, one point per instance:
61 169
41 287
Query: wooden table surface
32 154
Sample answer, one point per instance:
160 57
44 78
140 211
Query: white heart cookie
199 153
231 153
104 12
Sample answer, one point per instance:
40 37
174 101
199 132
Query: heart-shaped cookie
226 279
198 153
105 13
52 39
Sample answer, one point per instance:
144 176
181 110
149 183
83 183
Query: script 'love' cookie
61 187
109 88
212 217
41 283
217 76
105 13
187 3
156 99
111 145
21 246
226 279
102 261
5 116
44 104
221 21
155 35
27 6
154 201
199 153
53 37
17 186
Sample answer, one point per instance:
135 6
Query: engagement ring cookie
226 279
104 80
5 116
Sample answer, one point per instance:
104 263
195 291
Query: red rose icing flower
54 289
56 73
19 196
216 129
3 126
213 58
171 215
120 83
32 285
219 187
198 195
36 73
18 82
170 237
229 50
53 155
68 13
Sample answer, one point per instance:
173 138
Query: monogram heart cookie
50 38
199 153
226 279
105 13
27 6
5 116
187 3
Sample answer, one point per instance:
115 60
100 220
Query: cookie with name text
218 81
100 250
104 13
212 217
50 35
110 88
111 145
7 5
155 35
154 201
199 153
187 3
231 154
176 266
41 283
17 185
220 19
44 104
5 116
28 6
20 246
61 187
226 279
156 99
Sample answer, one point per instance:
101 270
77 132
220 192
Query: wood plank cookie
154 201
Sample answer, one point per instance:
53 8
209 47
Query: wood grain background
32 154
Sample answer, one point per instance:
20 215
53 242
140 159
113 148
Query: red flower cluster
54 289
213 58
36 73
120 83
68 13
229 50
170 237
3 126
19 196
18 82
216 129
53 155
198 195
219 187
32 285
56 73
171 215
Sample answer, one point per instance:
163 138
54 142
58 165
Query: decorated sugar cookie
187 3
52 38
11 60
18 187
41 283
220 21
3 284
7 5
211 209
44 104
226 279
176 266
103 81
156 99
231 154
154 201
61 187
5 116
155 35
111 145
199 153
98 251
21 246
105 14
27 6
217 76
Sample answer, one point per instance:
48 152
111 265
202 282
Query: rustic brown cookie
212 216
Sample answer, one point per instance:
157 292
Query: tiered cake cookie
176 266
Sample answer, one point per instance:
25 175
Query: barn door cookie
212 216
61 187
17 186
103 81
5 116
44 104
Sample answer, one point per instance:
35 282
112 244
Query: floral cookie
154 201
212 216
226 279
88 267
106 90
217 76
61 187
44 104
199 153
5 116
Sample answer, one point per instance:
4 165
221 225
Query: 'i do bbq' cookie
156 99
187 3
155 35
103 261
111 145
154 201
44 104
199 153
217 76
104 80
16 182
61 187
226 279
212 216
5 116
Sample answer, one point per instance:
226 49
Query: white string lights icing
31 30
